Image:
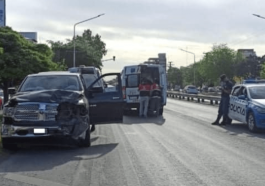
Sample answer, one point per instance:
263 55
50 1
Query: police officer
226 87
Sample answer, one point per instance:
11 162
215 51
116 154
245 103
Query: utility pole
170 64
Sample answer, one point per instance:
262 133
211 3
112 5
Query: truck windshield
35 83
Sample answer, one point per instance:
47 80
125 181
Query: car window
257 92
132 80
90 78
236 91
35 83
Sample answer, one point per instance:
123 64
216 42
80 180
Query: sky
135 30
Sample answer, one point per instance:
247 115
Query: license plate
133 97
39 131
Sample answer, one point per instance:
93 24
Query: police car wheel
252 123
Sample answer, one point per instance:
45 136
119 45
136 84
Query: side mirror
105 85
11 90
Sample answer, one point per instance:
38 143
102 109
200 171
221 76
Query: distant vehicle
247 104
176 88
211 89
131 77
190 89
204 89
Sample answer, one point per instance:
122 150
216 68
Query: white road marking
31 180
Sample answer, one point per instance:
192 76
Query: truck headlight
8 111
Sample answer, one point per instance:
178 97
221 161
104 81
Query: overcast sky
135 30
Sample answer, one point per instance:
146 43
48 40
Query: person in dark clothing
155 100
226 87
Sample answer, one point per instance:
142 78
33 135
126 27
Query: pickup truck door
106 103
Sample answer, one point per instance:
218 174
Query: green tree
22 57
89 50
174 76
221 60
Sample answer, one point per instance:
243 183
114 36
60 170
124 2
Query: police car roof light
253 81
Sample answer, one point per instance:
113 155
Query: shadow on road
241 128
40 158
160 120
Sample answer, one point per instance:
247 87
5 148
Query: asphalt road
180 148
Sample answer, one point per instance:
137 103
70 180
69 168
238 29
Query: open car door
106 102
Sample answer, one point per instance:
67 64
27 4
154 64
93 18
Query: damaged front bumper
37 119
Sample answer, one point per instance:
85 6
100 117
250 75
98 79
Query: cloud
135 30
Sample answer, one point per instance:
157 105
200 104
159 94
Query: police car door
237 108
106 103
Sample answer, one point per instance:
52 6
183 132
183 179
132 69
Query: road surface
180 148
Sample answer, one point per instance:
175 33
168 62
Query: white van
131 76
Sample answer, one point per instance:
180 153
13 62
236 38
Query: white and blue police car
247 104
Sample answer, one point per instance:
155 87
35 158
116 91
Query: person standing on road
144 89
155 100
226 87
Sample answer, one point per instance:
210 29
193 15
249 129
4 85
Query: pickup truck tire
161 110
252 123
8 146
85 142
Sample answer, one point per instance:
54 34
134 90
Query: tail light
124 92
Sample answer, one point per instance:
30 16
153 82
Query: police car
247 104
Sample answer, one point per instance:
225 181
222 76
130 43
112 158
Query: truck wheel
85 142
252 123
8 146
161 111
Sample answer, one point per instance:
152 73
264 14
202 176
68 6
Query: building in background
160 60
31 36
247 52
2 13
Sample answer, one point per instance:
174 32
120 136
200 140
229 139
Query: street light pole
74 33
194 64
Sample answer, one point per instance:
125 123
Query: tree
89 50
221 60
174 76
21 57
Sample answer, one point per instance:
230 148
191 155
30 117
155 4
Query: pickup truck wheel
85 142
161 110
8 146
251 123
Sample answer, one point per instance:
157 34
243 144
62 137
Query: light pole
74 33
194 64
258 16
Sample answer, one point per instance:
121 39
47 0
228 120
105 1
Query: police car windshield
257 92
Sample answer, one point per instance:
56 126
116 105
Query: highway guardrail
214 99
